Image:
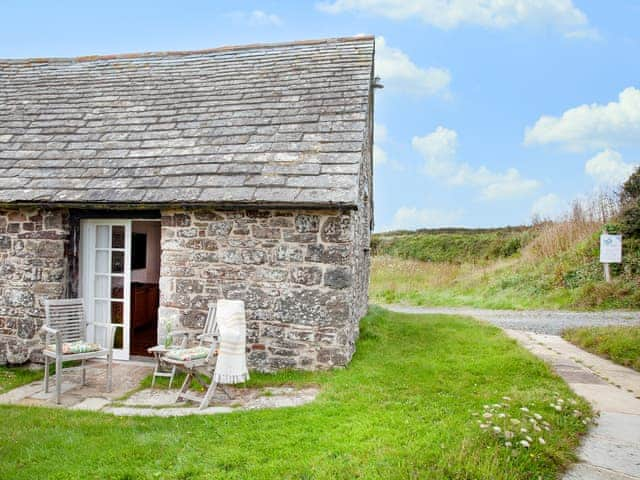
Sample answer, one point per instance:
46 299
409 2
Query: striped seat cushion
76 347
188 354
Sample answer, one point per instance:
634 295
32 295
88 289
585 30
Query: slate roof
260 124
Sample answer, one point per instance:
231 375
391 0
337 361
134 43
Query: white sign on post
610 248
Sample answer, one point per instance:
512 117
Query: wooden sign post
610 252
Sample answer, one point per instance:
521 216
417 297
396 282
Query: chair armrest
47 329
105 325
180 333
58 336
212 337
185 334
111 331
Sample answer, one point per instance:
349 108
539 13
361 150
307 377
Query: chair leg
173 374
155 372
208 396
58 379
46 374
84 373
226 392
109 371
185 385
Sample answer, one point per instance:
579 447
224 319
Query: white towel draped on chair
231 366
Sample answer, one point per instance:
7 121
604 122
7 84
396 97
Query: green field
408 406
554 267
452 245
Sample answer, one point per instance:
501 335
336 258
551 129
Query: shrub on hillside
630 200
631 188
458 247
630 219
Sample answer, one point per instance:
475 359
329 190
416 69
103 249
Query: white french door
105 266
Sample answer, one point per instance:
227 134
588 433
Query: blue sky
491 110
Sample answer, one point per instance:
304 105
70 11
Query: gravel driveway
539 321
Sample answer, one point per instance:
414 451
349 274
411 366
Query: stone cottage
152 184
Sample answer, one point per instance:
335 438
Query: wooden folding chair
207 343
203 359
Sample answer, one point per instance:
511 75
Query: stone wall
363 223
33 266
295 270
303 275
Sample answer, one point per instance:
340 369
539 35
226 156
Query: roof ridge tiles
184 53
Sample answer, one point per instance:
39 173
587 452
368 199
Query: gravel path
539 321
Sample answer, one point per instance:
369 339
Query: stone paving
126 377
611 450
125 400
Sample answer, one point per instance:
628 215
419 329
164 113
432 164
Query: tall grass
551 264
553 238
581 222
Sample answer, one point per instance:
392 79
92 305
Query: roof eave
160 205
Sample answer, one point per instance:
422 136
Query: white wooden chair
204 357
65 340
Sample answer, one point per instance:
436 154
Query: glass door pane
102 236
117 316
106 279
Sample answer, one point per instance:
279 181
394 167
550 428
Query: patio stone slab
282 397
165 412
607 398
126 401
573 374
91 404
152 398
18 394
614 444
584 471
611 450
41 395
238 398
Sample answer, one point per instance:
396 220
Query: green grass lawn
619 344
404 408
12 377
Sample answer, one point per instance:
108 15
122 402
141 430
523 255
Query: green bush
630 219
631 188
630 199
454 247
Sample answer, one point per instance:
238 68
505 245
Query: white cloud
380 157
380 132
591 126
508 184
410 218
607 167
447 14
399 73
439 148
584 34
548 206
257 18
